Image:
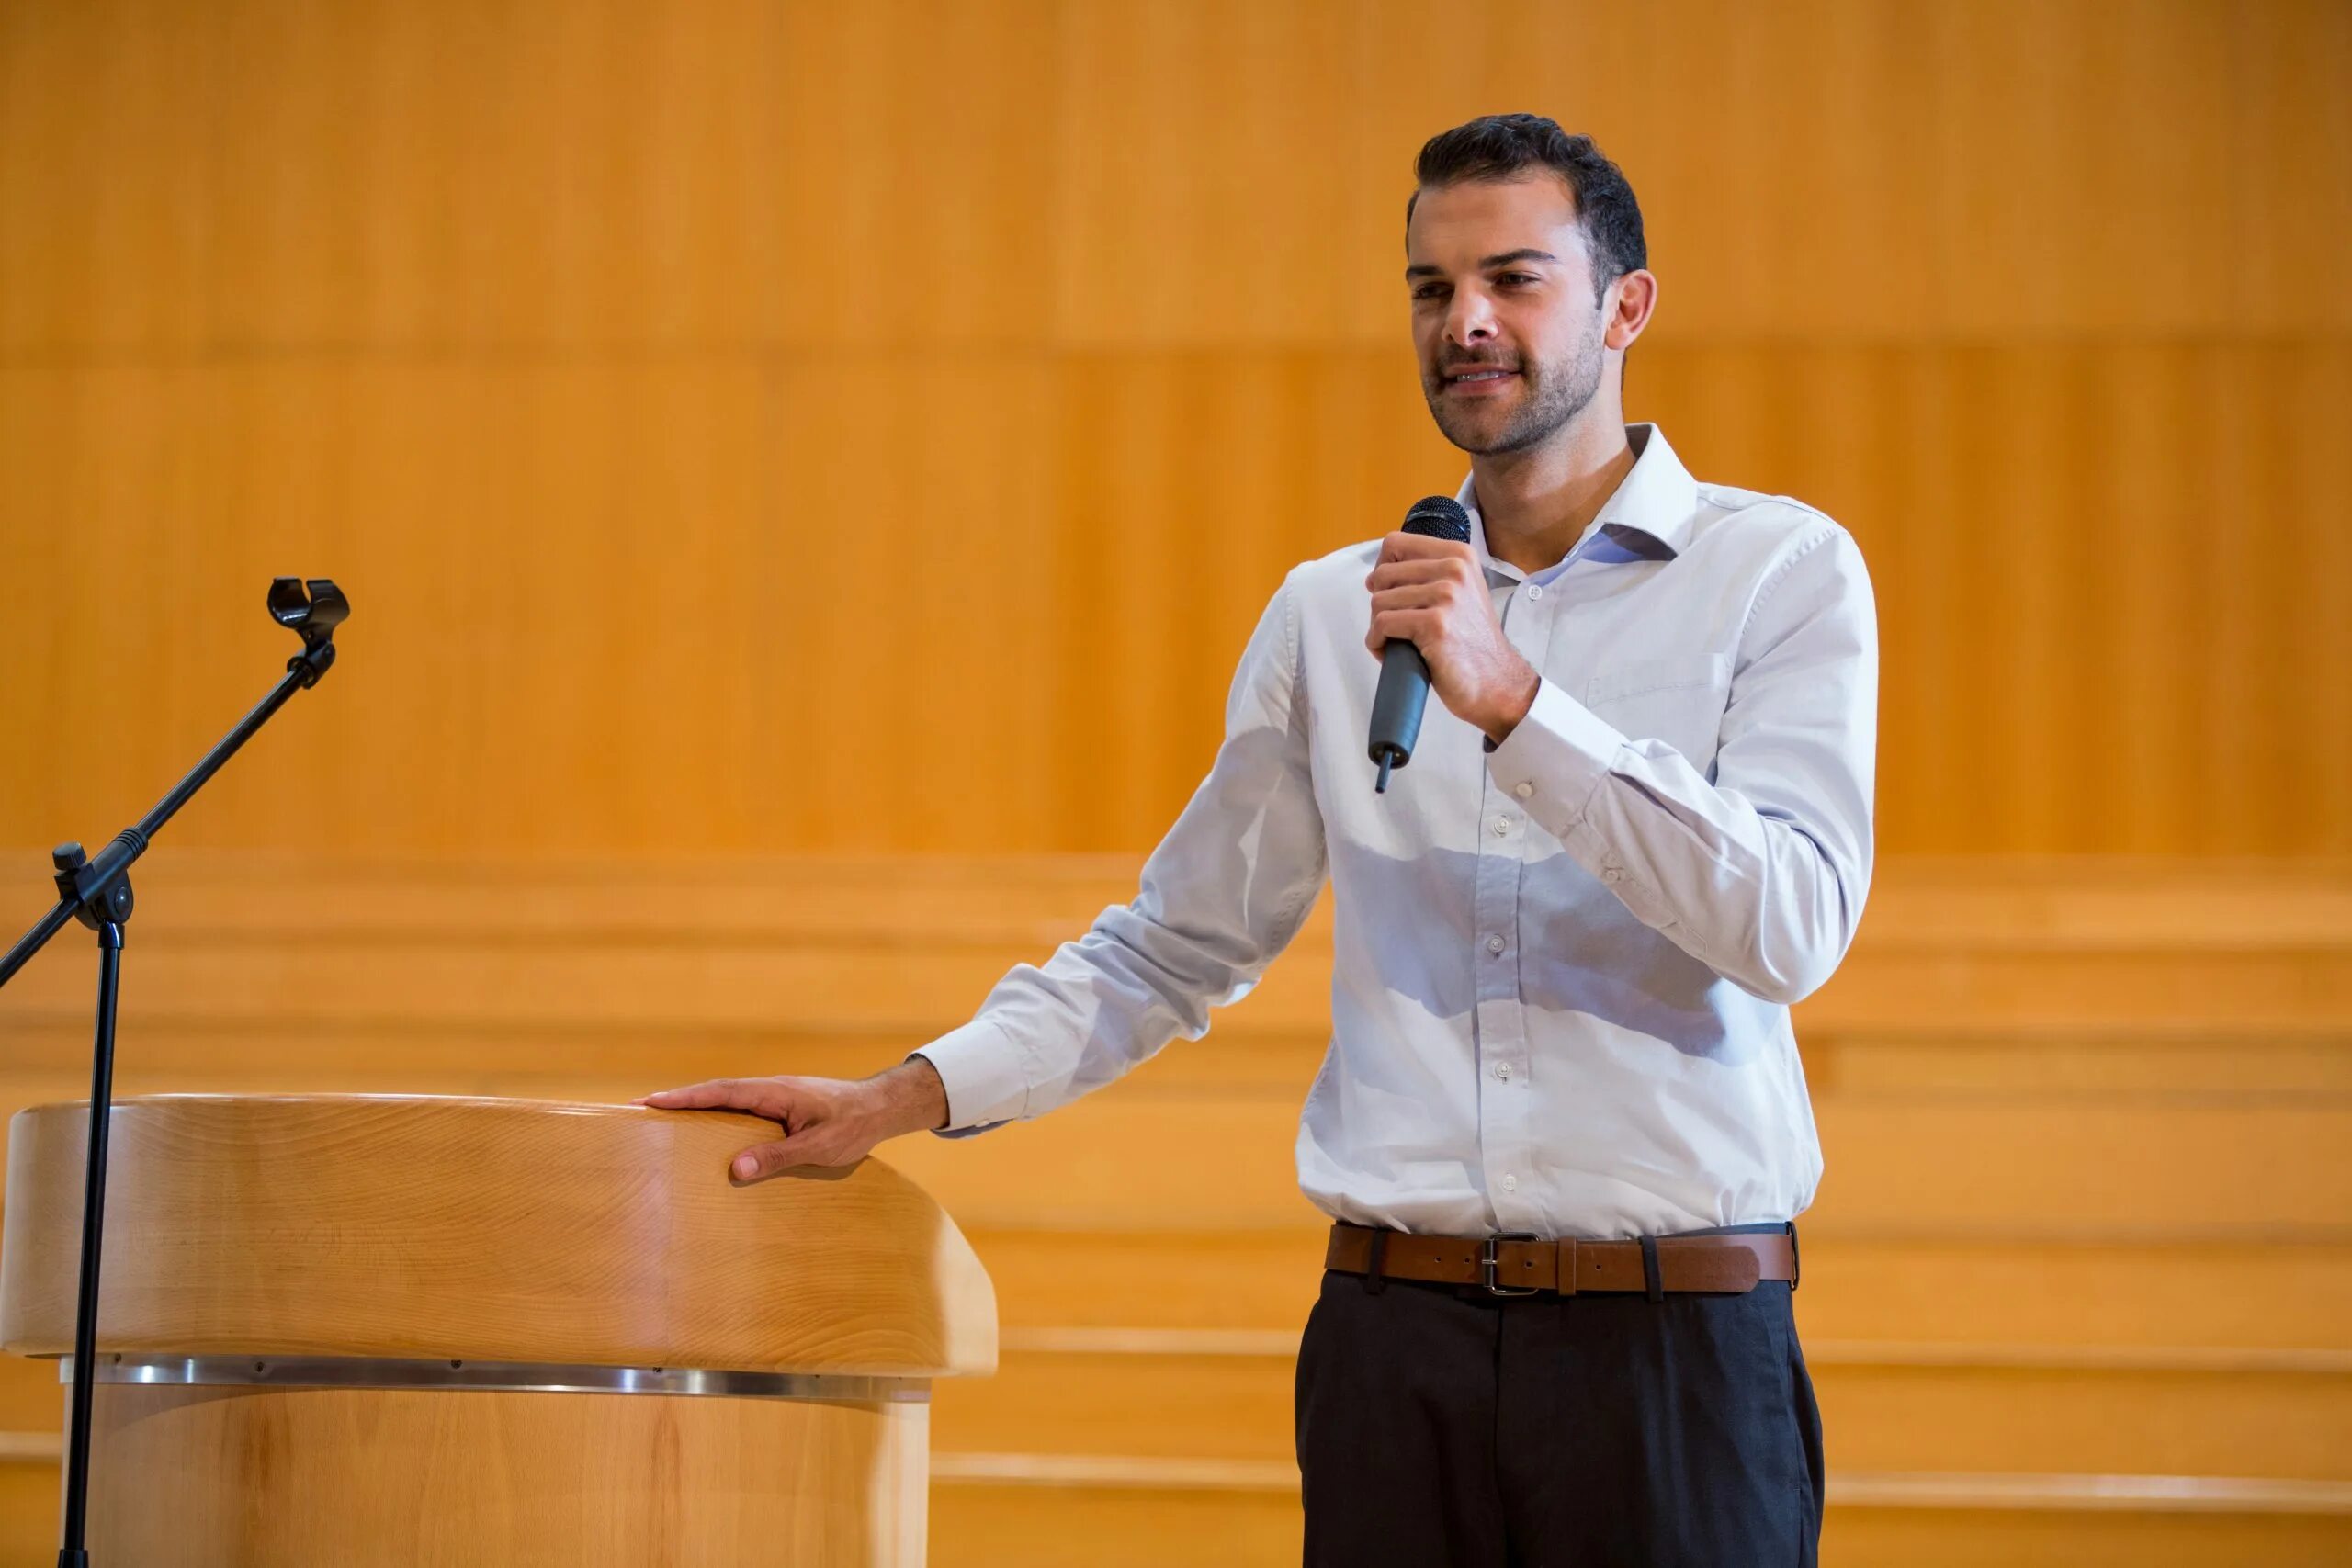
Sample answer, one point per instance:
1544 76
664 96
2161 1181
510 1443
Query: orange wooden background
807 425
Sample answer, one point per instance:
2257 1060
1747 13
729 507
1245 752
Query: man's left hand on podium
826 1122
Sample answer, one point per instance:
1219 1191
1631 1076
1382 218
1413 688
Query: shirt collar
1647 517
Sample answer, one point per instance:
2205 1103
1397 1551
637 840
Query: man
1566 938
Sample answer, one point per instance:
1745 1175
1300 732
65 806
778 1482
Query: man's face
1504 315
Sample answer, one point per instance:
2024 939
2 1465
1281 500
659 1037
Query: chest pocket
1678 700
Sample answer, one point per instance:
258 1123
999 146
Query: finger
1390 574
717 1093
1434 601
1387 626
692 1095
1401 546
1419 627
1413 596
764 1160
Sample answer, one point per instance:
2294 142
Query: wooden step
925 988
1883 1407
989 1523
1987 1065
1874 1536
31 1399
2083 1167
1011 1510
29 1505
1024 1509
2101 1416
2002 1291
912 945
2055 1167
2178 1329
1895 1166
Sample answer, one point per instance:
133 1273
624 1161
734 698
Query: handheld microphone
1404 673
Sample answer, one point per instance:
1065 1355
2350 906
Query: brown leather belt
1523 1266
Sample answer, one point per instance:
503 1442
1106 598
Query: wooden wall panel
772 426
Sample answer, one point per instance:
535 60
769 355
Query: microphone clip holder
315 615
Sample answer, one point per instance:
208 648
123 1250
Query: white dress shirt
1563 965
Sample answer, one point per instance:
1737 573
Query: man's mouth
1477 376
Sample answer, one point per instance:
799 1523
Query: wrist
1504 716
910 1097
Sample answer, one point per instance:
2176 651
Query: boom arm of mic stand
33 940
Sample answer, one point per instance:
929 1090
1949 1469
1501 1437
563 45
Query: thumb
764 1160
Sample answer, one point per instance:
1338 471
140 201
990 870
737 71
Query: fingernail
746 1168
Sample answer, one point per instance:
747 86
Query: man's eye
1518 277
1428 291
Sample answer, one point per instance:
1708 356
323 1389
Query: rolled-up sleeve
1221 896
1760 872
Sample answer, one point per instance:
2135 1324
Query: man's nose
1471 319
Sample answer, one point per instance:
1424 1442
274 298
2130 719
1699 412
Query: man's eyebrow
1526 253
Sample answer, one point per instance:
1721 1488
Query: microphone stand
97 893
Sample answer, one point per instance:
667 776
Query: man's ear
1631 299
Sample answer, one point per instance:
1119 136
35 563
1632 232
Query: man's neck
1536 504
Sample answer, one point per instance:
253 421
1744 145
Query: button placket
1505 1105
1504 1136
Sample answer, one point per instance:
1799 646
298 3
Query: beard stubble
1556 392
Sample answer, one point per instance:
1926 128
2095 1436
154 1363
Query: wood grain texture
770 425
297 1478
482 1229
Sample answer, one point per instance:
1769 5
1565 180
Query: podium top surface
509 1230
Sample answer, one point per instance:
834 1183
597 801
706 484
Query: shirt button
1612 874
1535 591
1495 944
1510 1183
1502 1070
1502 827
1522 789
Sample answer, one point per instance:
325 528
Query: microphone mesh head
1439 517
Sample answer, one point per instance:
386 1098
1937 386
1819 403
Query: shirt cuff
982 1070
1554 759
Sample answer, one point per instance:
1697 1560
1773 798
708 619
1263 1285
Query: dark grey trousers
1443 1427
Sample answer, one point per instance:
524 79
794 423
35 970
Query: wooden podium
401 1332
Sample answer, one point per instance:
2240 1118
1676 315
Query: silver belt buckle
1490 1259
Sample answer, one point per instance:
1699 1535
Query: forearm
1754 859
1769 899
1146 972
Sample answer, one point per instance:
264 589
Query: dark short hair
1496 147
